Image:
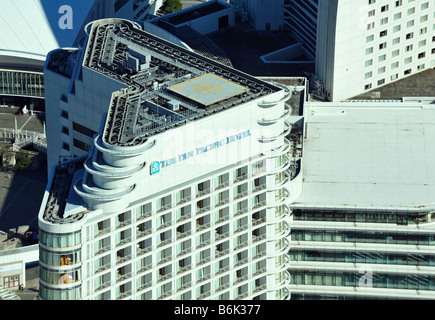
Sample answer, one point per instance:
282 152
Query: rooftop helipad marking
208 89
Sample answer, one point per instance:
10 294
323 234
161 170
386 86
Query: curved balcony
96 198
282 280
282 246
282 167
266 121
108 177
287 130
281 180
123 156
280 150
282 263
271 103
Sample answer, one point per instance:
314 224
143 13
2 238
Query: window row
364 237
364 279
363 257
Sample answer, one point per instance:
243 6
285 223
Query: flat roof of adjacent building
377 156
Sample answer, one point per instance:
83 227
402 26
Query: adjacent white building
184 192
358 45
365 44
363 227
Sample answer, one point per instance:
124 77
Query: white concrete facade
358 45
363 227
362 45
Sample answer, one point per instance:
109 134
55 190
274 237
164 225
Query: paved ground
20 198
24 122
20 192
31 292
419 85
243 46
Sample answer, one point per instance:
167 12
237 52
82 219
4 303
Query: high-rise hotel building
185 190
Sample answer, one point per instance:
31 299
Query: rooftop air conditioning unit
174 105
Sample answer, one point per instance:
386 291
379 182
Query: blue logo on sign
155 167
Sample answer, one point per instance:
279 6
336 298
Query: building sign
157 165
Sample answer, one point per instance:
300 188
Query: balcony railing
201 193
241 262
164 242
165 225
103 267
141 251
120 260
223 219
184 200
203 226
242 177
223 287
260 288
241 211
143 233
220 253
123 223
257 221
122 277
223 185
103 249
165 277
258 238
242 296
104 285
184 269
260 204
184 217
165 207
222 202
165 294
202 209
241 195
203 260
204 295
241 279
164 260
259 188
185 286
184 251
223 235
144 215
181 235
203 243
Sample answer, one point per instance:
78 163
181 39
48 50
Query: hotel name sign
156 166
